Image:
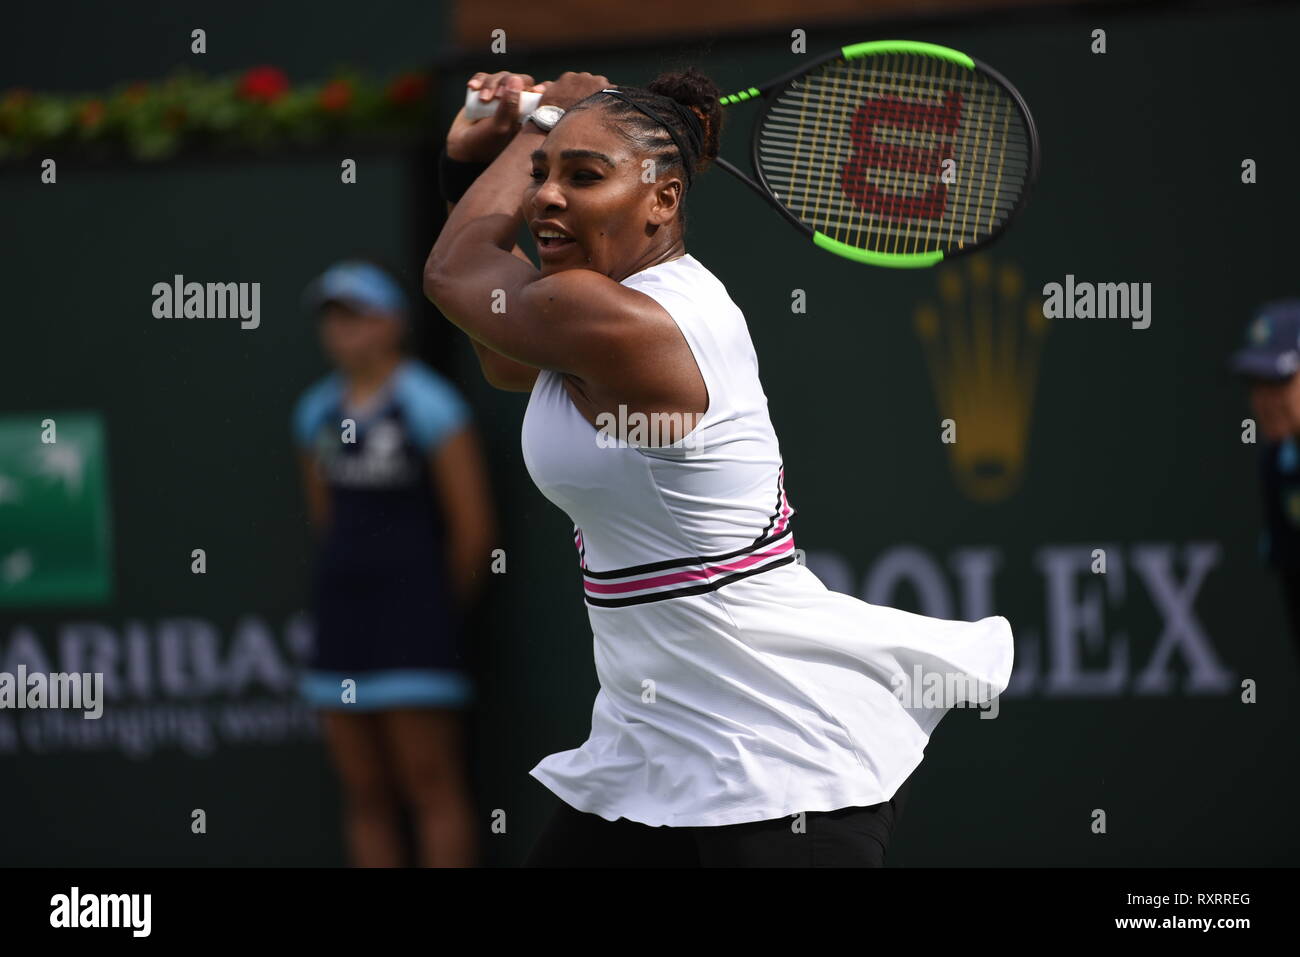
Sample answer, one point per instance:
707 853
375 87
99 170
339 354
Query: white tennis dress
734 686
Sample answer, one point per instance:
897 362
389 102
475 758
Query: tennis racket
890 153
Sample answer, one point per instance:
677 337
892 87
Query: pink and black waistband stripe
578 544
780 520
679 577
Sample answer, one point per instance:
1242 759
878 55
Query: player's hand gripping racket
476 109
891 153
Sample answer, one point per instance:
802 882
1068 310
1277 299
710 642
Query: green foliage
257 109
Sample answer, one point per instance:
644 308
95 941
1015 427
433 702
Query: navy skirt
386 626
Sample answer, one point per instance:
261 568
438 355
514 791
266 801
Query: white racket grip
476 109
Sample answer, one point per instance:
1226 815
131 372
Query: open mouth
552 239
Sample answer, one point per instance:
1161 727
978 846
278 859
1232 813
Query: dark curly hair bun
693 89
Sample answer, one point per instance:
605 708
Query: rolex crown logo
982 344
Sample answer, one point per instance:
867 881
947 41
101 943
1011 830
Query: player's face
1276 406
611 215
353 339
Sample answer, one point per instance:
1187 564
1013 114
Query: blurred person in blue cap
397 490
1269 362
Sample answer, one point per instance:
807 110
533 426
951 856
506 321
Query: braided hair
692 90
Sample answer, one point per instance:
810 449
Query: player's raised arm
500 372
570 320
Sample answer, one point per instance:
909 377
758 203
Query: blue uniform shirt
423 406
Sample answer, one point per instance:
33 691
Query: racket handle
476 109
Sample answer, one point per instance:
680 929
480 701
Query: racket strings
898 154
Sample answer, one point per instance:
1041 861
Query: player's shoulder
575 292
688 292
684 282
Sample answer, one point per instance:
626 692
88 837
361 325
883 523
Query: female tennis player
747 716
400 499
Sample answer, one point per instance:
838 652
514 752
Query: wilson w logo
901 144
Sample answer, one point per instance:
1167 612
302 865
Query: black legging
848 837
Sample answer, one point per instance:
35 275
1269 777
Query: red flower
263 84
408 88
135 92
11 105
335 96
91 114
16 98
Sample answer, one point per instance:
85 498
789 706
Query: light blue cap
358 284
